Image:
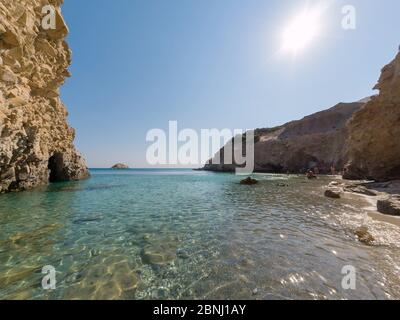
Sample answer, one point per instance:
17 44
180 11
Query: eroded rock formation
317 141
373 146
36 143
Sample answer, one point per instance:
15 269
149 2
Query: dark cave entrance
55 167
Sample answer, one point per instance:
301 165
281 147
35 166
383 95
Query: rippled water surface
180 234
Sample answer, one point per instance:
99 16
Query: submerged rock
389 206
182 254
249 181
364 236
127 282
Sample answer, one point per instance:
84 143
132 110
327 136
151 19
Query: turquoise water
181 234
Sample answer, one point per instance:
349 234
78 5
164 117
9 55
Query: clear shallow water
180 234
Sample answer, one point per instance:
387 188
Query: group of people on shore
313 174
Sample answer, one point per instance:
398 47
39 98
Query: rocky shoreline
385 195
382 202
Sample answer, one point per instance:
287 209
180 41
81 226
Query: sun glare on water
301 31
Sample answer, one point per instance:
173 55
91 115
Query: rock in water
332 193
120 166
364 236
373 145
36 142
249 181
390 206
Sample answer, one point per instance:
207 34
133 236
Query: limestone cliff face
36 143
373 146
315 141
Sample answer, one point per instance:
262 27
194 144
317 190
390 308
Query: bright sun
301 31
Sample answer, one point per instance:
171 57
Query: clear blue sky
210 64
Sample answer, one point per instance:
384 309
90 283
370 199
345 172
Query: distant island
120 166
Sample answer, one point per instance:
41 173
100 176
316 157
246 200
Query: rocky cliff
36 143
373 145
315 141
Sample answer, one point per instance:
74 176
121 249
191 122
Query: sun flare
301 31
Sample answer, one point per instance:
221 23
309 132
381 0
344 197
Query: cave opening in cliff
55 167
